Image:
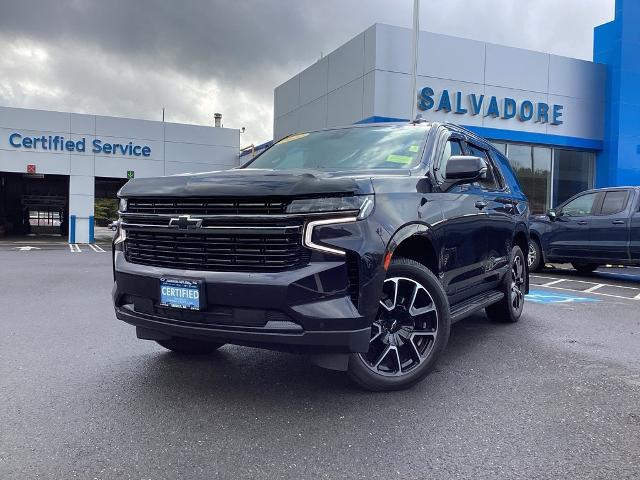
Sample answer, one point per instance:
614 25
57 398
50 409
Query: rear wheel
410 331
509 309
534 257
188 346
585 268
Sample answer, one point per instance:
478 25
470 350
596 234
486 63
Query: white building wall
175 148
369 76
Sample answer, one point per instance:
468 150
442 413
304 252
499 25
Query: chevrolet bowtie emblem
185 222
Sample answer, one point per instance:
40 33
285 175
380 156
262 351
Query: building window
541 181
549 176
533 168
501 147
572 173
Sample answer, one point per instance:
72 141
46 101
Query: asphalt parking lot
554 396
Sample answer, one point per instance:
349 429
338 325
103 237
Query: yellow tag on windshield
403 159
291 138
414 148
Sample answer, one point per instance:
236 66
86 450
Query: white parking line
74 247
96 248
578 281
595 287
637 297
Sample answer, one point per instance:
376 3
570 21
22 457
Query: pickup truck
358 245
593 228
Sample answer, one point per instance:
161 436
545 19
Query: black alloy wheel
516 292
406 328
514 285
410 330
534 257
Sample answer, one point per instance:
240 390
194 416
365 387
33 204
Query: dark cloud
192 57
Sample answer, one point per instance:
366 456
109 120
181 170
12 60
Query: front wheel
410 331
584 268
188 346
509 309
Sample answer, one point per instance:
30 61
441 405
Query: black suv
357 245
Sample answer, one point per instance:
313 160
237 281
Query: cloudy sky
197 57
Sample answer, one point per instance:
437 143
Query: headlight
123 205
361 203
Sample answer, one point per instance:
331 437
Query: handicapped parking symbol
540 296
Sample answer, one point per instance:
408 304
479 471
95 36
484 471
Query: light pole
414 72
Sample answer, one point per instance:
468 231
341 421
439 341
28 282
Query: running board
473 304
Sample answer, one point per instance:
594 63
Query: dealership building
565 124
55 165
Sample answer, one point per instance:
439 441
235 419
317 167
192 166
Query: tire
534 257
410 331
509 309
584 268
188 346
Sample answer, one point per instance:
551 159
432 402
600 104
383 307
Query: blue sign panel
504 108
57 143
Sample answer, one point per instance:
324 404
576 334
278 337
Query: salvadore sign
489 106
57 143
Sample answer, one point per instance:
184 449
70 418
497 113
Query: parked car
593 228
358 245
113 226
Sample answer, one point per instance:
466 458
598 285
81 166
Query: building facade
58 163
565 124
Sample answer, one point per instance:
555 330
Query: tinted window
357 148
451 149
489 182
614 202
580 207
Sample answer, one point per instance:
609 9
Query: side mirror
552 215
465 169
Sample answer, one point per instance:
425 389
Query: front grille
199 206
241 249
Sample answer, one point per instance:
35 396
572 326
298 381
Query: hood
247 182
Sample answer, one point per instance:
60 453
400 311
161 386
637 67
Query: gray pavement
554 396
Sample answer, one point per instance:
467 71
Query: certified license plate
180 293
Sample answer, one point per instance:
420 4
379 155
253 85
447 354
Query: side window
451 149
581 206
489 182
614 202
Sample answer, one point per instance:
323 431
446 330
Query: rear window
614 202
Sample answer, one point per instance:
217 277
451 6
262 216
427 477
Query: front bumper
310 309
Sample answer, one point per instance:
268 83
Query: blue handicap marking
540 296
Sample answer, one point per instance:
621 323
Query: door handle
480 204
583 222
618 222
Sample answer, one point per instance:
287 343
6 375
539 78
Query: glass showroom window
549 176
533 168
572 173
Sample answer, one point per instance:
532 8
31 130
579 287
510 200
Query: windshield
358 148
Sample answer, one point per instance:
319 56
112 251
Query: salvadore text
57 143
480 104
